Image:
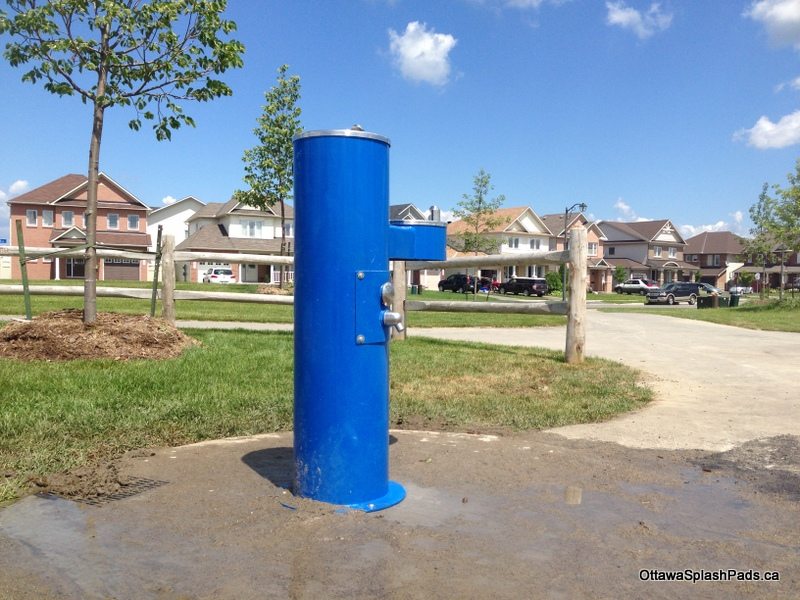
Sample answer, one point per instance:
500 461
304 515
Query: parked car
492 285
219 275
635 286
674 293
792 285
741 289
457 282
530 286
710 289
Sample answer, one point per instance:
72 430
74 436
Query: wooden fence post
23 269
576 305
168 279
156 265
399 303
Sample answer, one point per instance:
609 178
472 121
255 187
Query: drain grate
134 487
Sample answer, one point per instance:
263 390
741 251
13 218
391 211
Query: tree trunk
283 241
90 216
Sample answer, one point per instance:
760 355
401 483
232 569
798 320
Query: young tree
620 274
148 55
477 211
269 165
787 215
759 248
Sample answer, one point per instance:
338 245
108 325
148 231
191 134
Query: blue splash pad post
344 242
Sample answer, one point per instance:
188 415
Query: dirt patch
62 335
265 288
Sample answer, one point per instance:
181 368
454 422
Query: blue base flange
395 495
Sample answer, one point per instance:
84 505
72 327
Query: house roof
504 217
176 203
642 230
67 188
215 210
625 262
215 237
555 222
453 253
109 239
714 242
50 191
660 264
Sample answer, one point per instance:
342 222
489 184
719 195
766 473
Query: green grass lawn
768 315
58 416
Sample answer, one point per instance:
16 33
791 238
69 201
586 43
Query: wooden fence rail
575 258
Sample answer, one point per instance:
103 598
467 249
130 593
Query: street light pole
583 208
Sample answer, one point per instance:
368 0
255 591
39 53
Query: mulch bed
61 335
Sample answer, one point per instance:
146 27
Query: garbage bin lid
356 133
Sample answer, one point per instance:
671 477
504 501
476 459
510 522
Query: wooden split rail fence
574 308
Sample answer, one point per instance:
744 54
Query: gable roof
213 237
645 231
715 242
177 202
505 218
69 187
555 222
215 210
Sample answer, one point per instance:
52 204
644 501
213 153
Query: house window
47 218
592 248
716 260
30 217
673 252
509 272
288 230
612 251
67 218
133 222
75 267
113 221
251 229
536 244
657 251
513 242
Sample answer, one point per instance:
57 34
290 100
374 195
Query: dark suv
457 282
677 291
529 286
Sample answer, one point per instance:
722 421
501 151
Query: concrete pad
524 516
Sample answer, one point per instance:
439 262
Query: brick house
598 272
717 254
52 216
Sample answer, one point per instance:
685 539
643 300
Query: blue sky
679 109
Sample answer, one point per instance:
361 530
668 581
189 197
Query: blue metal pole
341 370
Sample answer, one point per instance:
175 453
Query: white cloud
643 24
781 19
736 225
447 216
794 84
167 200
524 3
626 213
18 187
765 134
422 55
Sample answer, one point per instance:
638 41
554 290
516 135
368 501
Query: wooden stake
576 306
168 279
399 304
23 268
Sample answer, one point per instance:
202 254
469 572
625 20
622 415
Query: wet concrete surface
532 515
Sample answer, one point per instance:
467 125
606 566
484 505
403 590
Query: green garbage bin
704 302
724 301
734 300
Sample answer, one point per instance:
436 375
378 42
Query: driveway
716 386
